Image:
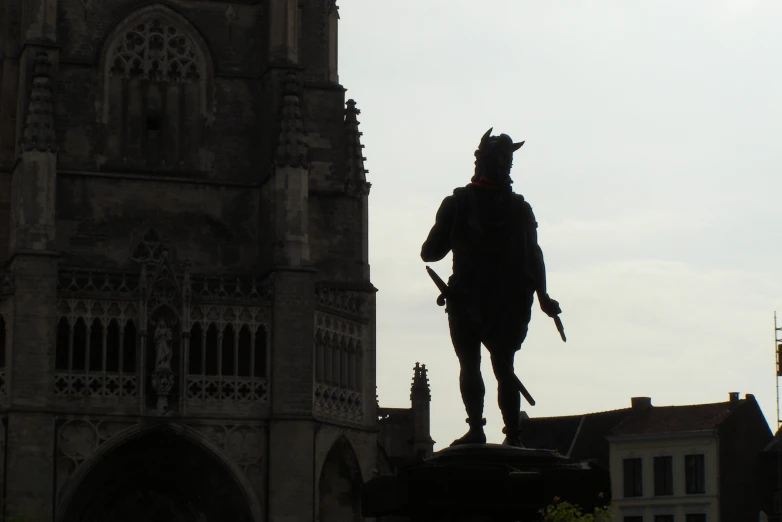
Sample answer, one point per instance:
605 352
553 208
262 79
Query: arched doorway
339 487
158 477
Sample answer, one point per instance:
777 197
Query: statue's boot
475 435
512 437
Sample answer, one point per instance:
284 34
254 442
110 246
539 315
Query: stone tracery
77 440
155 94
156 50
227 354
96 349
338 366
109 324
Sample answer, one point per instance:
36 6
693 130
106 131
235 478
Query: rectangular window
634 518
696 517
663 476
663 518
695 474
633 481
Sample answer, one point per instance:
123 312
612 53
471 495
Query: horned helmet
494 158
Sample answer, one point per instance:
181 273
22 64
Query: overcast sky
652 161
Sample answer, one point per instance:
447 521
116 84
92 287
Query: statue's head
160 328
494 158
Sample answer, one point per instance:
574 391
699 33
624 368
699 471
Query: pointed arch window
338 367
95 357
155 92
227 362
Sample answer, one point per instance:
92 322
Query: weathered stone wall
234 31
335 229
313 39
9 80
235 55
323 110
5 214
335 212
99 219
363 443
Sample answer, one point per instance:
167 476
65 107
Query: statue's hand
549 306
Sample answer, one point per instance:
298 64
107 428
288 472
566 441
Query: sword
558 322
443 287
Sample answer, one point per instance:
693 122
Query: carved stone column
34 262
291 433
284 30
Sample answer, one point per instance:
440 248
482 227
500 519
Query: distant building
405 434
581 438
772 478
695 463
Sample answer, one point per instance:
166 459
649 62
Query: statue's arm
547 304
438 244
538 265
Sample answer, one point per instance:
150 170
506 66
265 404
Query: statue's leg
467 345
508 395
503 347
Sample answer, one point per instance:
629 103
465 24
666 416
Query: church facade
187 322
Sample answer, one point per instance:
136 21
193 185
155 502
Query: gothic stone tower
186 317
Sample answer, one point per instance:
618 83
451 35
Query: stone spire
291 148
420 388
39 125
356 182
420 402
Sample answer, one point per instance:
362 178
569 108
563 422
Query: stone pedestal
481 482
162 383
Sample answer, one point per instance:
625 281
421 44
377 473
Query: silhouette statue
497 268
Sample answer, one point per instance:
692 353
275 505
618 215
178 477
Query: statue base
481 482
162 383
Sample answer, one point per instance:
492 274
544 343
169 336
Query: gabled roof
552 433
580 437
673 419
583 437
591 442
776 442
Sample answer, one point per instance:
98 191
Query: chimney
641 403
734 397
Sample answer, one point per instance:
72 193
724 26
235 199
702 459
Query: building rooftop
673 419
583 437
579 437
776 443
